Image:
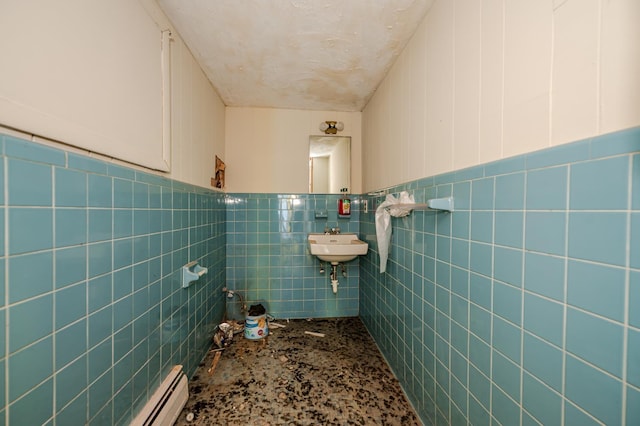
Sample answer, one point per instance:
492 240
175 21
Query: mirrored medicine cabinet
329 164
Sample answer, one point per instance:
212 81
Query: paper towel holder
192 272
444 204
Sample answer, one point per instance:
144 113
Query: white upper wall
267 150
485 80
91 76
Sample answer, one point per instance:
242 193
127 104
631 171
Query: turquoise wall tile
478 413
122 193
600 184
3 397
122 253
100 192
71 227
30 275
568 153
482 226
509 228
122 223
30 229
99 258
543 403
100 225
100 325
621 142
481 258
29 367
634 298
3 334
504 409
545 232
480 290
22 412
544 318
544 275
479 386
507 302
506 338
140 195
71 381
19 148
597 393
99 291
462 194
75 412
508 165
99 360
506 375
547 189
600 237
71 304
460 282
99 395
70 188
32 320
597 288
71 265
480 355
71 342
633 406
482 194
544 361
92 207
510 192
87 164
140 222
2 235
507 265
480 323
635 183
634 241
604 346
461 225
633 354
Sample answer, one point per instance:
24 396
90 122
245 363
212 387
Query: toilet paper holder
192 272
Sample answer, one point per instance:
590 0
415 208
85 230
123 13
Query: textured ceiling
299 54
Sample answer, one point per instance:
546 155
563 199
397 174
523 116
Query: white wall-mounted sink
336 248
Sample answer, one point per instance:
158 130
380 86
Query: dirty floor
293 378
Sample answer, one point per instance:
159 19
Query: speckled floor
293 378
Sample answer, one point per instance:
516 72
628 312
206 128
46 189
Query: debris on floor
224 335
313 333
289 379
214 364
256 310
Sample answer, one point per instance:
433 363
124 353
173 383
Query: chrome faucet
331 231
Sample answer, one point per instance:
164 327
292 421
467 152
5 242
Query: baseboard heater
167 401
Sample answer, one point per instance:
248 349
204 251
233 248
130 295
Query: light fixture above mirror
331 127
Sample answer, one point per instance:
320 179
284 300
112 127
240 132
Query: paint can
256 327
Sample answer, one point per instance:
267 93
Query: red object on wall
344 207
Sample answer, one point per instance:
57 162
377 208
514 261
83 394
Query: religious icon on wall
218 181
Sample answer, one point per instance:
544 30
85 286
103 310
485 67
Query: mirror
329 164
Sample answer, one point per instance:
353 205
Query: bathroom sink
336 248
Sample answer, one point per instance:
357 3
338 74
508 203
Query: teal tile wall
523 305
92 313
268 259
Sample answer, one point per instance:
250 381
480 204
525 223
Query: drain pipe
334 277
231 293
